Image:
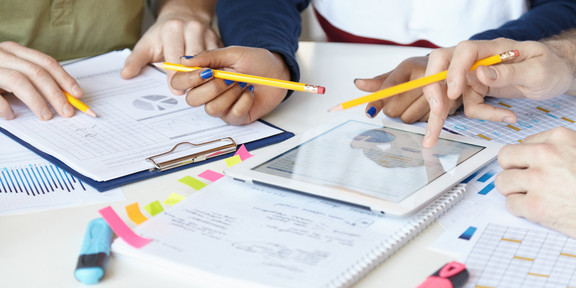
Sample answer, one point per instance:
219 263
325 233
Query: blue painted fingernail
371 112
242 84
251 88
228 82
206 74
187 57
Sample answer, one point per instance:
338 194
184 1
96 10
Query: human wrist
201 10
563 46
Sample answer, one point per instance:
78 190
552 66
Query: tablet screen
359 157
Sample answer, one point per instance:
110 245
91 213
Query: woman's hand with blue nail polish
237 103
410 106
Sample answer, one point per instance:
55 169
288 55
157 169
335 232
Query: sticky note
154 208
233 160
211 175
134 213
243 153
173 199
193 182
121 229
468 233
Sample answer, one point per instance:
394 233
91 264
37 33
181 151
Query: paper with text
140 118
233 234
28 183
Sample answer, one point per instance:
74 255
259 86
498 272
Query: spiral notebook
232 234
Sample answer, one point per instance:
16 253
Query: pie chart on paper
155 103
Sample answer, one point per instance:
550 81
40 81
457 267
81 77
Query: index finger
439 109
56 71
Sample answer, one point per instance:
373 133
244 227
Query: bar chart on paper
30 183
37 179
533 117
516 257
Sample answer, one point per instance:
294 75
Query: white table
41 249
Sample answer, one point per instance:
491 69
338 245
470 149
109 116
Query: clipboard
171 164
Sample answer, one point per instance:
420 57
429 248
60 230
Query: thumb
498 76
134 64
369 85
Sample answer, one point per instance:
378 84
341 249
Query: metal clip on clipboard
211 149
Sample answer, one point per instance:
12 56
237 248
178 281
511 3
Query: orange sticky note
233 160
134 213
121 229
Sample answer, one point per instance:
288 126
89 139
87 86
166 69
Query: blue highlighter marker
94 251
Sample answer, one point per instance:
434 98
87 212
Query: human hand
539 179
37 79
523 77
410 106
235 103
179 30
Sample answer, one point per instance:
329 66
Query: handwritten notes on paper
263 235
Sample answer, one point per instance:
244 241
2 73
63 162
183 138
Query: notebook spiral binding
420 222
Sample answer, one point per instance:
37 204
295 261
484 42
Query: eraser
321 90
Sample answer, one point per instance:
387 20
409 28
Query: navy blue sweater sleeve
544 19
274 25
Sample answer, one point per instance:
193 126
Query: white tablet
381 167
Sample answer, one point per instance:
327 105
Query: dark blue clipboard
142 175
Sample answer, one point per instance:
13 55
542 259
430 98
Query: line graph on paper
533 117
516 257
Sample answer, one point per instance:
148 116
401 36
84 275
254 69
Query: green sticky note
233 160
154 208
193 182
173 199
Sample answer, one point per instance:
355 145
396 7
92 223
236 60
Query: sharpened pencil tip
89 112
336 108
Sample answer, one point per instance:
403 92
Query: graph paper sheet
533 117
507 256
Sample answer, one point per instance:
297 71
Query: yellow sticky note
233 160
154 208
173 199
193 182
134 213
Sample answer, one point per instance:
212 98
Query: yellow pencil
407 86
80 105
248 78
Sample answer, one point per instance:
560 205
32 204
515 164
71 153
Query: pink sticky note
210 175
243 153
121 229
